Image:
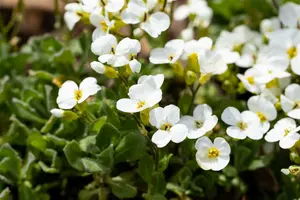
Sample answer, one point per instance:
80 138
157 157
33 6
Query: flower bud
66 115
190 77
193 63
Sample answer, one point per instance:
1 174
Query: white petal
293 92
159 56
231 116
178 133
71 19
135 66
289 14
202 112
236 132
157 117
222 145
286 104
129 106
156 80
274 135
104 44
222 162
57 112
98 32
156 24
181 12
294 113
262 105
130 17
66 95
254 133
128 46
114 5
161 138
172 114
88 88
295 65
289 141
203 143
98 67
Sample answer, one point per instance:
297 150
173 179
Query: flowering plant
133 108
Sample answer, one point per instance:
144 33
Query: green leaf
74 155
47 169
88 144
92 165
158 185
112 116
121 189
185 101
26 192
108 135
164 162
154 197
64 56
260 163
30 158
241 159
97 124
230 171
131 148
5 194
10 163
146 168
106 157
37 141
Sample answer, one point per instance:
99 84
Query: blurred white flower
269 25
201 122
212 156
104 45
285 131
249 80
166 121
289 15
70 94
101 22
242 125
75 12
203 13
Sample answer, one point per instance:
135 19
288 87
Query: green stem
194 92
86 52
164 5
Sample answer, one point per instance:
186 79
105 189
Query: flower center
166 127
237 48
78 94
170 57
104 25
261 116
213 152
242 125
298 104
199 124
287 131
140 104
292 52
250 79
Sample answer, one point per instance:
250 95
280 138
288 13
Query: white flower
141 96
211 63
155 81
166 121
201 122
109 5
169 54
137 11
212 156
104 45
289 15
288 42
124 53
187 34
57 112
242 125
198 47
272 64
269 25
284 131
248 56
249 80
70 94
198 7
264 109
290 103
74 13
101 22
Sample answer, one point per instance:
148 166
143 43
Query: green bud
193 63
110 72
190 77
204 78
69 115
177 68
294 170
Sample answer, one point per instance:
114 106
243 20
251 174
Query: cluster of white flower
267 56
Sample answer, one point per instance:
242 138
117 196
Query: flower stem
194 92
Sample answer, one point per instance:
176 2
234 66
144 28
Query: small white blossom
142 96
212 156
70 94
169 54
264 109
289 15
285 131
166 121
242 125
290 102
249 80
269 25
201 122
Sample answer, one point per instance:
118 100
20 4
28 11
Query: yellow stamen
140 104
287 131
78 94
242 125
261 116
250 79
213 152
104 25
166 127
292 52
